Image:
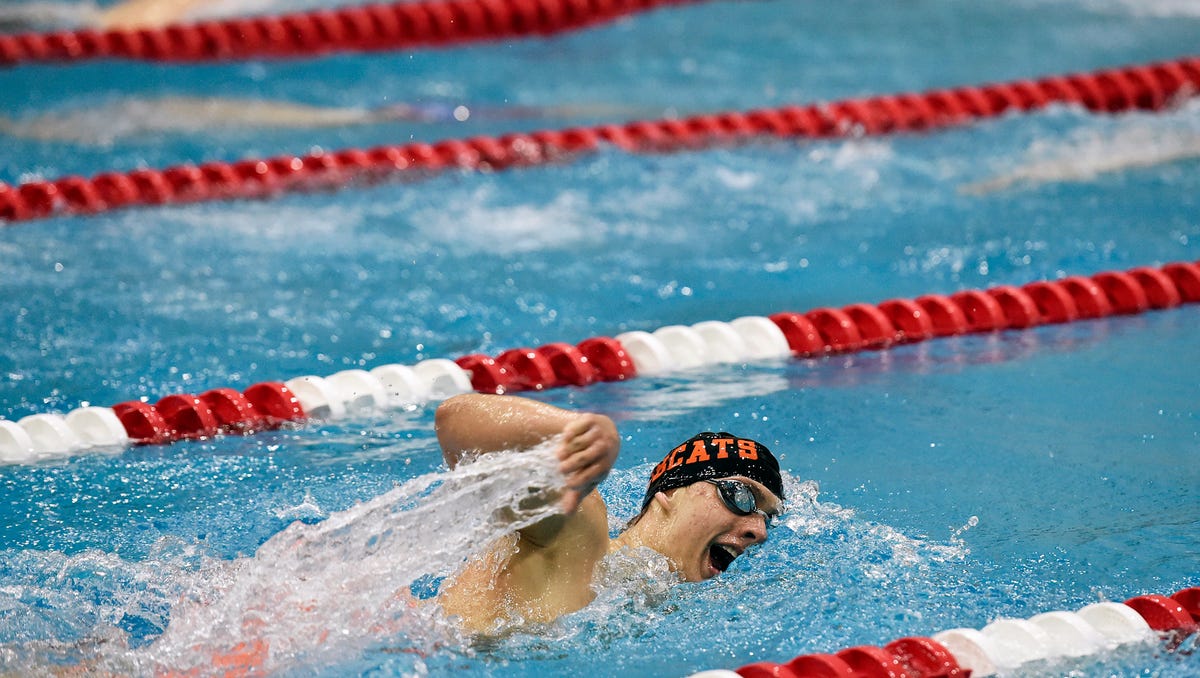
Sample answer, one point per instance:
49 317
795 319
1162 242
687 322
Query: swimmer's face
705 535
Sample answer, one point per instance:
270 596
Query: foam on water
478 224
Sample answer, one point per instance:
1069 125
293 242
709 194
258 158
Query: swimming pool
961 480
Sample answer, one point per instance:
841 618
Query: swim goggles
739 498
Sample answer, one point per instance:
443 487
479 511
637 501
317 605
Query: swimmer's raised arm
478 424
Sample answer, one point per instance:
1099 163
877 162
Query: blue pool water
960 480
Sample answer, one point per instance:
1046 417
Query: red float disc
836 328
945 316
1162 613
187 416
766 670
982 310
802 335
608 357
1020 311
233 411
275 401
569 364
909 319
925 657
143 424
821 666
876 330
1054 303
1190 600
874 662
530 370
486 376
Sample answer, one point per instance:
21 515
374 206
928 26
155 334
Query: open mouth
721 556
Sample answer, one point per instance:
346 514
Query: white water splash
1129 142
315 594
881 550
478 223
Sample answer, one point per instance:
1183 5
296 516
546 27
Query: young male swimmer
711 498
708 500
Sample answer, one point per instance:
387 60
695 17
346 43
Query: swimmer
131 14
102 124
159 13
511 561
708 501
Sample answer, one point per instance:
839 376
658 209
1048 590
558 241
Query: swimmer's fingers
579 433
571 499
588 477
573 496
587 451
589 448
586 441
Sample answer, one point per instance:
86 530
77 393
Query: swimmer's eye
738 497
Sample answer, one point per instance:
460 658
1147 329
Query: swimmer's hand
586 453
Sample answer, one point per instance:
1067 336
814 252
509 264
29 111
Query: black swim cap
711 455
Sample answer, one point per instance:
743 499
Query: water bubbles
307 510
956 537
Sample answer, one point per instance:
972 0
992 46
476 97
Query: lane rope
1143 87
358 28
674 348
1001 646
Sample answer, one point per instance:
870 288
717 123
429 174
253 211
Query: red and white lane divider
1002 645
1145 87
818 332
227 411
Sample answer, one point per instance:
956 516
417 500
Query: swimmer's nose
754 530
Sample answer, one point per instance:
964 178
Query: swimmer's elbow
450 408
451 422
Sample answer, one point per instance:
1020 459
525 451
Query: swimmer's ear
663 501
